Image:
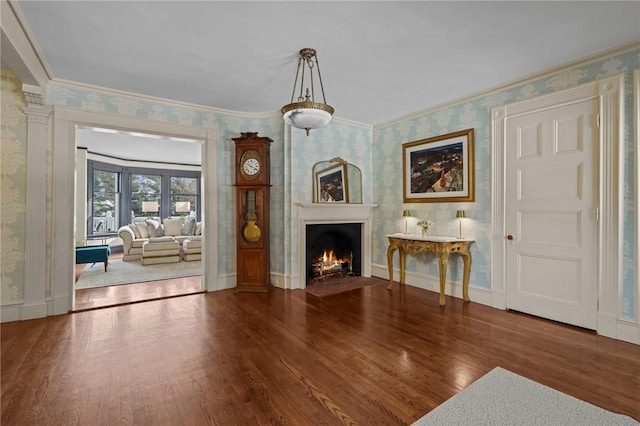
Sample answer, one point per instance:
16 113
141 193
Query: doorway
117 172
66 120
556 243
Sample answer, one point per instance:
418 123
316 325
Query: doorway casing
65 122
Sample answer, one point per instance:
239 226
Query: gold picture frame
439 169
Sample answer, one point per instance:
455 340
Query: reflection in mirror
336 181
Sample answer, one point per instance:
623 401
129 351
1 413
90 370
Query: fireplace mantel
337 211
317 213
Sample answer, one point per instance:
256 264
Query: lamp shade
307 115
183 206
150 206
406 213
460 214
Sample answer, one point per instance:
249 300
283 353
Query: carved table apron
442 247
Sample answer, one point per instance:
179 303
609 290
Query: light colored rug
120 272
501 397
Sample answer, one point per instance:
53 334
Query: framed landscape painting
439 169
331 184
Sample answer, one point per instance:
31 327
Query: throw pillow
144 231
155 228
135 230
189 226
172 227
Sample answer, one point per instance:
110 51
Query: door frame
610 95
63 228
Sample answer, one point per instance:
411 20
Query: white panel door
551 213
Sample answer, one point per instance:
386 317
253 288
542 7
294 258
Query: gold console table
414 244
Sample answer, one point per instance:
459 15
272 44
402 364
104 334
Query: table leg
465 278
403 262
443 260
390 251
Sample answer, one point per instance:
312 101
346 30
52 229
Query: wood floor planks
369 356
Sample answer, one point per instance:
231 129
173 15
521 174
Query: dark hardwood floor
369 356
100 297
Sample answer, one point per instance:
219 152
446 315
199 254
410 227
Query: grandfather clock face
252 206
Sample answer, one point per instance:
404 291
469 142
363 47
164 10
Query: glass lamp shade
307 115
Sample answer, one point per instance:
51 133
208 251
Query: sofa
135 235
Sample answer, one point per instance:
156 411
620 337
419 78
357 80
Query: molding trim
153 99
23 55
428 282
505 86
180 104
636 180
610 92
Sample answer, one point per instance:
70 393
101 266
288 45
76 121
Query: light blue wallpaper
379 157
227 127
351 141
475 113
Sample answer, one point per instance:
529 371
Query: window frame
125 173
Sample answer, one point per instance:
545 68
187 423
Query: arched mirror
337 181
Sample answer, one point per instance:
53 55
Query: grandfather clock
252 195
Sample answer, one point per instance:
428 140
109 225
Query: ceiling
380 60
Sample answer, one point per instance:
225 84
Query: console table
414 244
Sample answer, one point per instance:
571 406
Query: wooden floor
368 356
100 297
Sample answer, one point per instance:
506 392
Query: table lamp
406 214
460 215
150 207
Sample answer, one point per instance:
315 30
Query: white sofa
135 235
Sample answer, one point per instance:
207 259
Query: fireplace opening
333 250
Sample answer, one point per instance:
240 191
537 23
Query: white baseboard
34 310
10 313
222 282
427 282
628 332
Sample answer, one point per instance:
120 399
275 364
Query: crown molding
504 86
23 55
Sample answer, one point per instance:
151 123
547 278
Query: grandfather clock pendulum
252 194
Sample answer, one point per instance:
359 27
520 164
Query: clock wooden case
252 201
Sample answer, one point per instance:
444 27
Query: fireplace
333 250
333 214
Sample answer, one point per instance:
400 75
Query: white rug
501 397
119 272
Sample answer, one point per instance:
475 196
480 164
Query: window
105 202
184 196
117 195
146 196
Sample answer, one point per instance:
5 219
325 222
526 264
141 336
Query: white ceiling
379 60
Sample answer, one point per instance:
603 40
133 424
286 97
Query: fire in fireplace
333 251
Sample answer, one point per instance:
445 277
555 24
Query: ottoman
192 248
93 254
160 250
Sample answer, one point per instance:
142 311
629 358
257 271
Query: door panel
551 201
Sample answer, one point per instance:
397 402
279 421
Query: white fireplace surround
323 213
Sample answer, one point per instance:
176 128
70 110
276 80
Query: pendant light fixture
306 113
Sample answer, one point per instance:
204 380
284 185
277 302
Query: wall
13 180
474 112
349 140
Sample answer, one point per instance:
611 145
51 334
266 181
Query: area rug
341 285
119 272
501 397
